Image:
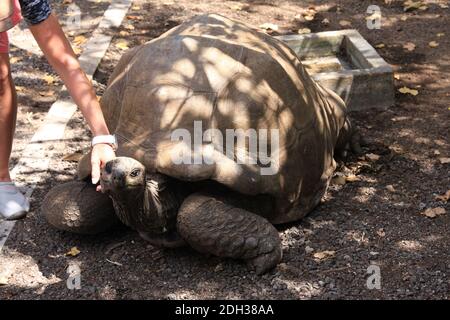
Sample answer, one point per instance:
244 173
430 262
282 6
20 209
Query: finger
99 188
95 173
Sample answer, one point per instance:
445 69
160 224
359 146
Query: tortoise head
145 203
122 173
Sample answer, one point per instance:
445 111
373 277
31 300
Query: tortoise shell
215 73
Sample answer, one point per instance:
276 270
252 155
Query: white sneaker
13 204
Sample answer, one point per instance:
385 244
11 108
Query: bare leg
213 226
13 204
8 113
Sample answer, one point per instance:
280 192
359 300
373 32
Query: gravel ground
375 220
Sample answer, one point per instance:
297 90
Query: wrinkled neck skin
126 203
137 211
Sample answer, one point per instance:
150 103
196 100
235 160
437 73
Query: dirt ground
375 220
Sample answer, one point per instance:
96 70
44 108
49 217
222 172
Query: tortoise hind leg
349 139
214 226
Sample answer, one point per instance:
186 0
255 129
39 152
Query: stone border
36 156
369 85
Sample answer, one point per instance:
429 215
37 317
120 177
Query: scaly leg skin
349 140
215 227
76 207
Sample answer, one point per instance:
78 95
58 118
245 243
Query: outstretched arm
58 51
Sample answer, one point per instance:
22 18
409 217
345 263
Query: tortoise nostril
118 177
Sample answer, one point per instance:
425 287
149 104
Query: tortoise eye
135 173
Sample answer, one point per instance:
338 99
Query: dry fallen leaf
324 254
73 252
406 90
440 34
135 7
3 280
124 33
131 17
443 5
325 22
129 27
77 50
304 31
380 45
122 45
20 88
372 157
423 8
79 40
338 180
310 14
309 17
433 212
345 23
444 160
50 93
13 60
49 79
352 178
410 5
396 76
74 157
433 44
404 18
409 46
390 188
239 7
269 26
444 197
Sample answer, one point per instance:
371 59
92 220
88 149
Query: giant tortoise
204 79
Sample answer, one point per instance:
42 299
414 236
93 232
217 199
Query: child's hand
101 154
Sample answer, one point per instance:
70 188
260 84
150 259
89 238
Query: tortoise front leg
215 227
76 207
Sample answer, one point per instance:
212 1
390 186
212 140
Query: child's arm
55 46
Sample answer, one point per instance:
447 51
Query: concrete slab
346 63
